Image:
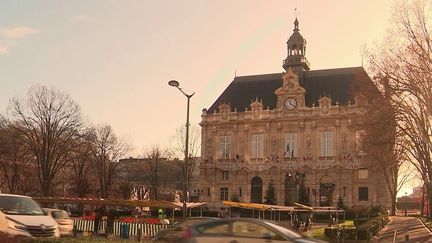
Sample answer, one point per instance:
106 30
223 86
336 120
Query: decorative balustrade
285 165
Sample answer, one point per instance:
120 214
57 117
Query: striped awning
116 202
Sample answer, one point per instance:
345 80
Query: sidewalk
410 226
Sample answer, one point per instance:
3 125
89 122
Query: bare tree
382 146
13 159
178 148
46 122
126 188
81 164
404 61
154 157
108 149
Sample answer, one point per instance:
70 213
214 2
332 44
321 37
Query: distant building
141 174
299 129
417 191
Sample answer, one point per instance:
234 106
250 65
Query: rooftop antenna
235 73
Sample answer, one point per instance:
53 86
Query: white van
20 215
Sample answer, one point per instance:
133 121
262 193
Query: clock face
290 103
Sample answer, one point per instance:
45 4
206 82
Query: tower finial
296 24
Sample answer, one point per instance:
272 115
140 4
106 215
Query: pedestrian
98 216
309 223
330 221
160 213
112 215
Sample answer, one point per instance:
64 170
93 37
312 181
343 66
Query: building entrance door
256 190
326 191
291 192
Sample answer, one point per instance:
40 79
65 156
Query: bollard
406 237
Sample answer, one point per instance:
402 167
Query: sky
115 58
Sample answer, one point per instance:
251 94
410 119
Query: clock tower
291 96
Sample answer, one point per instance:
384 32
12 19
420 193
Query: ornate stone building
300 130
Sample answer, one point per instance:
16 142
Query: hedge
364 230
348 233
370 227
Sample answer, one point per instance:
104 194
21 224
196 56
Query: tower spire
296 24
296 45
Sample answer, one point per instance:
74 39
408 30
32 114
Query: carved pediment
256 108
224 110
290 84
324 105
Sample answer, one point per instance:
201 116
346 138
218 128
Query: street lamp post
176 84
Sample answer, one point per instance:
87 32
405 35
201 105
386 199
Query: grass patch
318 234
347 223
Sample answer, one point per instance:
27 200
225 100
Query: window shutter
229 147
330 143
322 144
261 146
254 146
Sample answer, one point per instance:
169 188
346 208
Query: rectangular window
225 175
258 146
326 142
208 191
225 143
240 192
359 141
291 145
224 194
363 174
363 193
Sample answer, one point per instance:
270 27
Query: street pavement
405 226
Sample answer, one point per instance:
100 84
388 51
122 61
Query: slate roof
338 83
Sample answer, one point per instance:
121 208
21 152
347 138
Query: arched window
256 190
295 49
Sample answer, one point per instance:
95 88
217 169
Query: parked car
65 223
22 216
241 230
175 232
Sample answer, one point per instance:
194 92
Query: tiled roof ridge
260 77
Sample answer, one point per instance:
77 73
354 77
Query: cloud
4 49
80 19
17 32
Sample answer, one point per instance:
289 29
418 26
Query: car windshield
19 206
285 231
59 215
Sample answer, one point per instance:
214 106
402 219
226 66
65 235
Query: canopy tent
263 207
328 210
273 209
189 205
117 202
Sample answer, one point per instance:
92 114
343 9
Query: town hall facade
300 130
